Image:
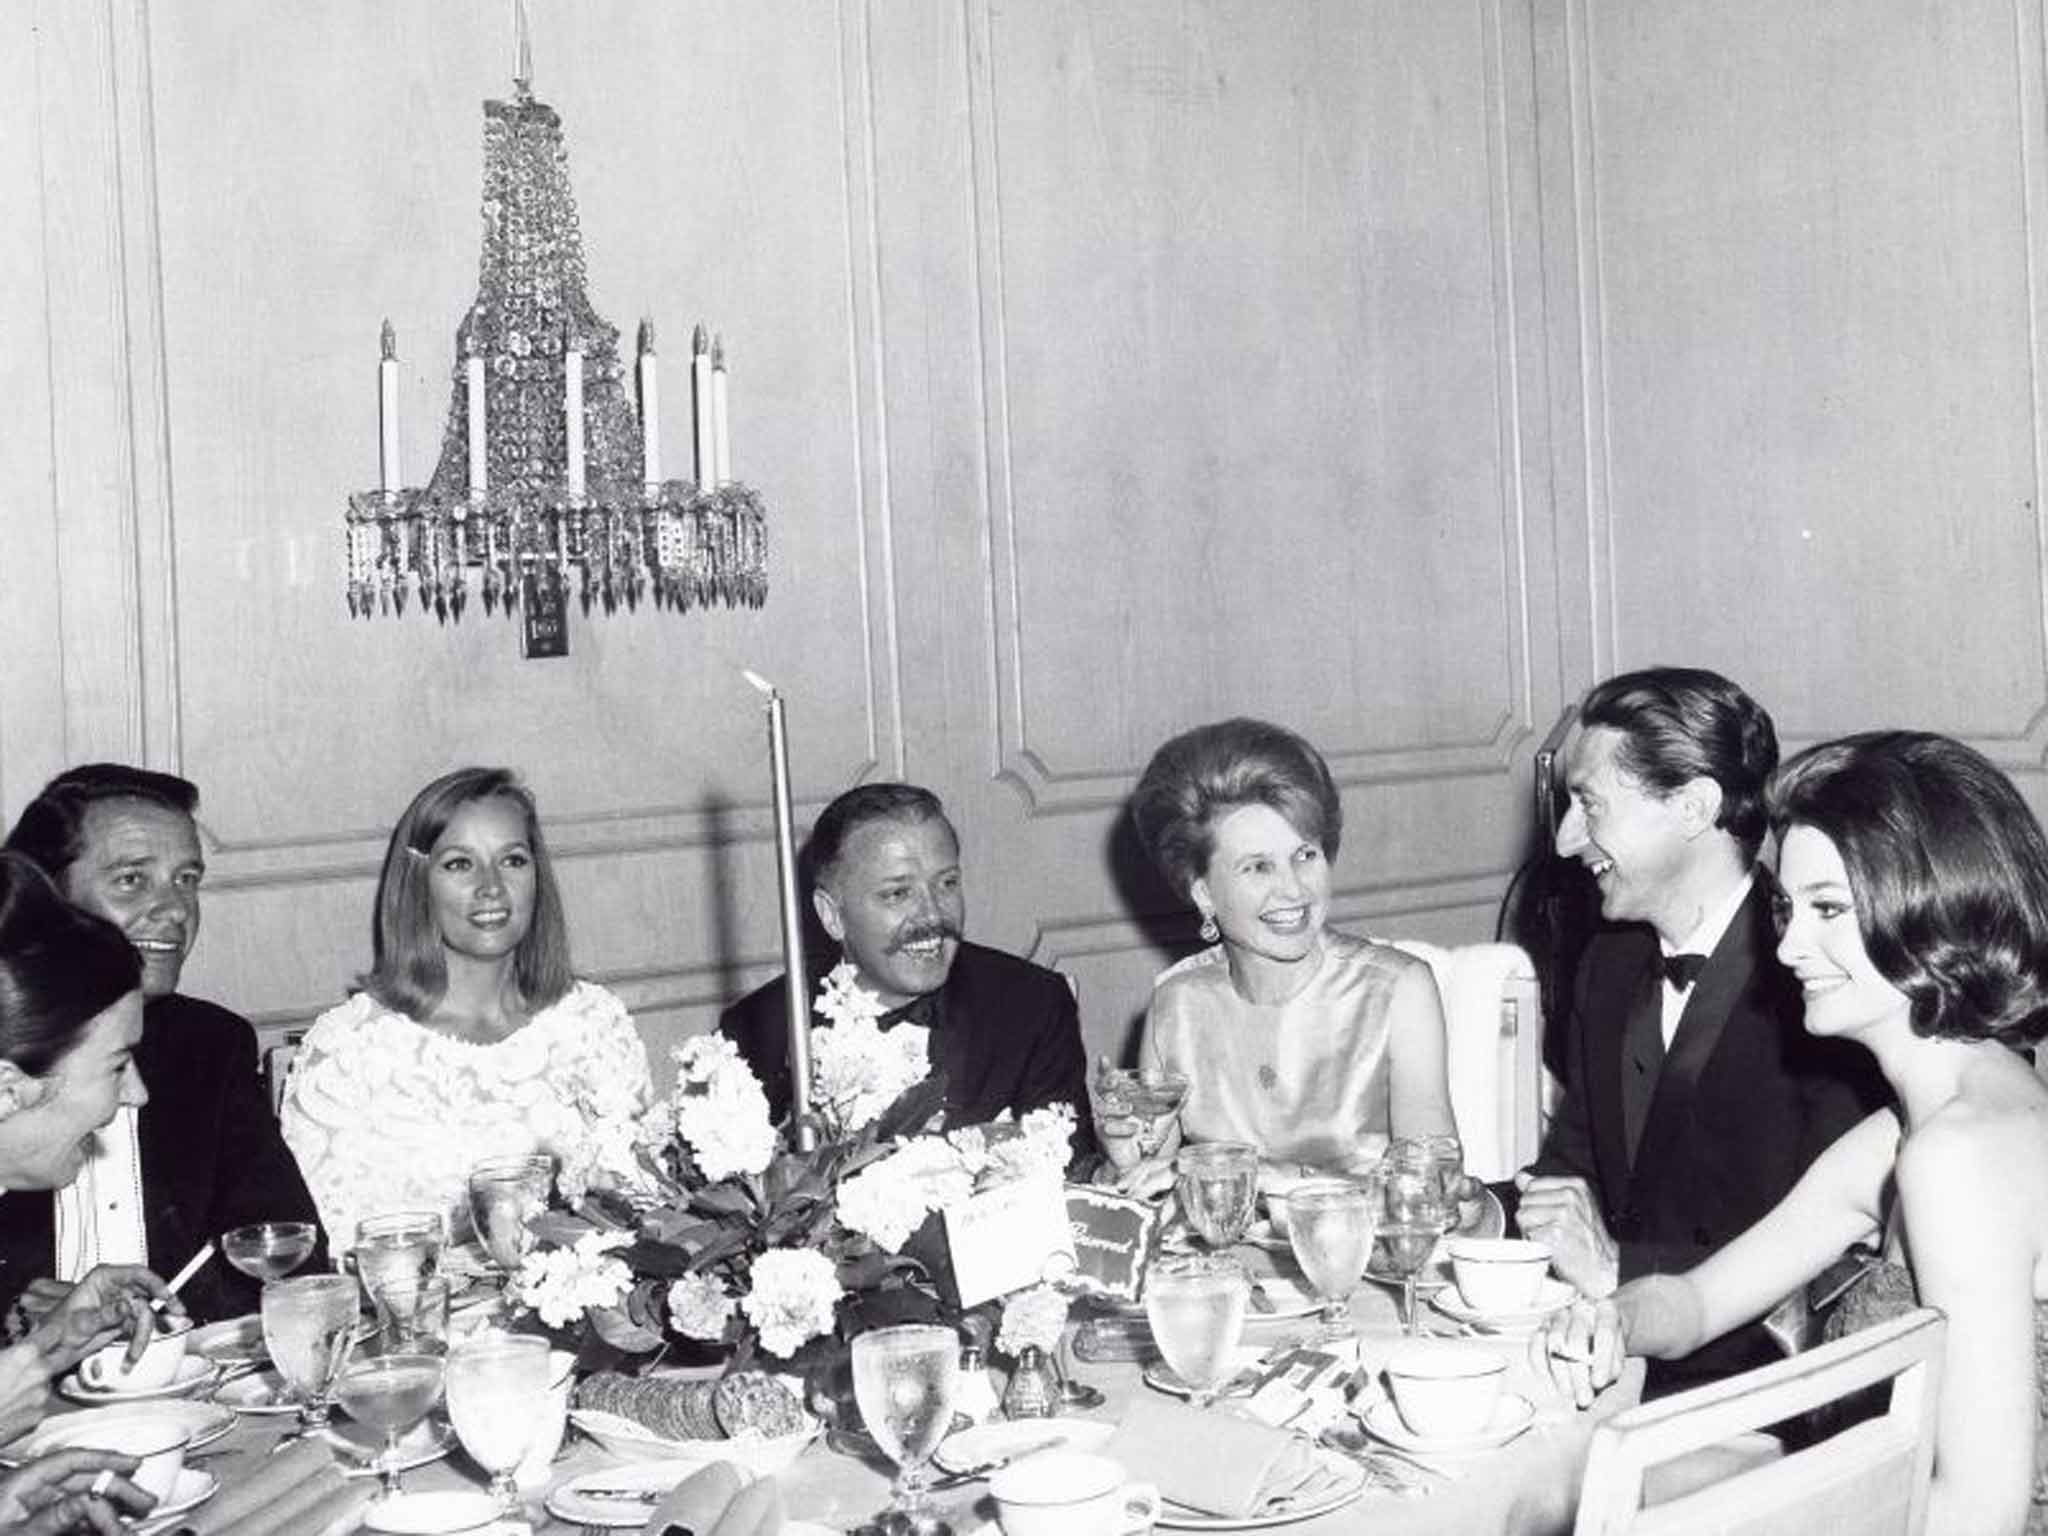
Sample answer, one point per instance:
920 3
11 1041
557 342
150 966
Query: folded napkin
1217 1462
300 1490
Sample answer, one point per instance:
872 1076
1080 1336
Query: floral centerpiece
701 1224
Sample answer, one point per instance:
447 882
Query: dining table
1527 1485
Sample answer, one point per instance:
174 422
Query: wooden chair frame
1870 1477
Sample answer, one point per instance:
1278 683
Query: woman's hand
69 1491
110 1301
1580 1350
1147 1177
719 1500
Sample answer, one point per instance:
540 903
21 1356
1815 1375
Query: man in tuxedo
204 1154
883 865
1694 1098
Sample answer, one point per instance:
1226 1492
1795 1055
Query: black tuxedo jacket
1744 1100
1008 1037
212 1158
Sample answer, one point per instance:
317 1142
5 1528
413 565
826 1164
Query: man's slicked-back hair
886 801
52 828
1683 723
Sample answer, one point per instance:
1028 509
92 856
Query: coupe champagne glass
1330 1226
903 1379
398 1245
1416 1212
505 1193
1195 1304
390 1394
1217 1183
268 1250
309 1325
1135 1112
497 1387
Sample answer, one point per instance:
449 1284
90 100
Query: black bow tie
921 1011
1682 970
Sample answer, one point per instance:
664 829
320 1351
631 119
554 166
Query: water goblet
1330 1226
268 1250
1195 1304
398 1245
904 1379
390 1394
1441 1157
413 1315
309 1325
1217 1183
1416 1215
497 1387
505 1193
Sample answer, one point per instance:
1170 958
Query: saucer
1555 1295
429 1440
195 1485
205 1422
1245 1361
431 1514
966 1449
192 1375
263 1392
1511 1415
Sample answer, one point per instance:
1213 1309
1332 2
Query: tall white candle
650 410
572 408
799 989
473 383
387 412
700 410
721 438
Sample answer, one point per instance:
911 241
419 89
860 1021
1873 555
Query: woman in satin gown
1914 906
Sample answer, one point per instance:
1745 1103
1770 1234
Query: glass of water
505 1194
1330 1226
399 1245
1217 1183
309 1327
1195 1304
903 1379
497 1386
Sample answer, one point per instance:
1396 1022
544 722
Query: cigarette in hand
1571 1356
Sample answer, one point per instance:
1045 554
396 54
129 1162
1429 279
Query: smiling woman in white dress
470 1038
1312 1045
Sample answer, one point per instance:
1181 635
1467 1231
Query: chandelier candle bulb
650 410
572 408
721 438
804 1132
473 395
700 409
387 412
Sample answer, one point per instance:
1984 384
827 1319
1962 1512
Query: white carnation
1032 1317
698 1307
720 1109
791 1301
562 1284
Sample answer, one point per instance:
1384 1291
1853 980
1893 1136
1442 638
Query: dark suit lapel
1628 977
1729 971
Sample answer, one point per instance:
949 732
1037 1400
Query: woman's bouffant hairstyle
411 970
1202 775
1948 870
60 968
1684 723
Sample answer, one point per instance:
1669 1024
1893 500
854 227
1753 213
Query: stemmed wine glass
309 1326
497 1387
391 1394
903 1380
1330 1226
1217 1183
268 1250
1195 1304
1417 1214
505 1193
398 1245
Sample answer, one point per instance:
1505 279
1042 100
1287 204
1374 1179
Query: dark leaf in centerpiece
679 1229
722 1200
915 1109
866 1271
662 1260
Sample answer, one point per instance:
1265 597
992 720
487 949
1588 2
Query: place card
1008 1237
1112 1240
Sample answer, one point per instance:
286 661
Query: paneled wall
1389 369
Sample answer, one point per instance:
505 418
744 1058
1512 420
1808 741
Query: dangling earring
1210 932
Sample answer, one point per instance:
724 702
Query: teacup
156 1441
107 1370
1442 1388
1072 1493
1498 1274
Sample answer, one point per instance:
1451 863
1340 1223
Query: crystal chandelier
549 478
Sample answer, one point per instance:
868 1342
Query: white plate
195 1485
1290 1298
1348 1483
237 1341
264 1392
428 1440
431 1514
204 1422
1555 1294
1511 1415
654 1478
1161 1377
1006 1437
759 1454
192 1375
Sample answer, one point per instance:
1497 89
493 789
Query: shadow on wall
723 877
1162 915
